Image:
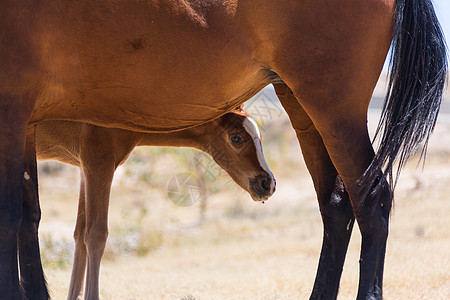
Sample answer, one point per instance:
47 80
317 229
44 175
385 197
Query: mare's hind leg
332 68
335 207
344 133
98 165
79 260
31 273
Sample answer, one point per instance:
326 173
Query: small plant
56 254
149 241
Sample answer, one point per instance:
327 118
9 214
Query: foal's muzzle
262 187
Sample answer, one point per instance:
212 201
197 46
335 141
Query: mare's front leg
14 114
79 260
31 273
11 191
98 165
335 207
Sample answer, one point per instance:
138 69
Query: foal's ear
240 108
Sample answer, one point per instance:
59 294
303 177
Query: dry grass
246 250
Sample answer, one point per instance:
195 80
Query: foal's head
234 142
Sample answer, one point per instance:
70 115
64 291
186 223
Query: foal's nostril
262 186
265 184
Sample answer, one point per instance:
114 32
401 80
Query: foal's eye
236 139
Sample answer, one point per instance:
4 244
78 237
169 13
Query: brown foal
232 140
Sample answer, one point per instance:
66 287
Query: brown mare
233 141
163 66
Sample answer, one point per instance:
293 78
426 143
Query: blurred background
224 245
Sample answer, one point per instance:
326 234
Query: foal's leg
31 273
98 165
79 261
335 207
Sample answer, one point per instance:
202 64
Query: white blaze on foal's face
252 129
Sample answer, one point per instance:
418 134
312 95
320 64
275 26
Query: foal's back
64 140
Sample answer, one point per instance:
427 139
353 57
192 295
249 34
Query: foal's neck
191 137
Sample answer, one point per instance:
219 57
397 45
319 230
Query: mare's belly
157 107
148 68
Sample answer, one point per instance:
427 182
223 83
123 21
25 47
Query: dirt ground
242 249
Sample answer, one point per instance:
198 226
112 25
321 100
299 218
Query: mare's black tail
418 74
